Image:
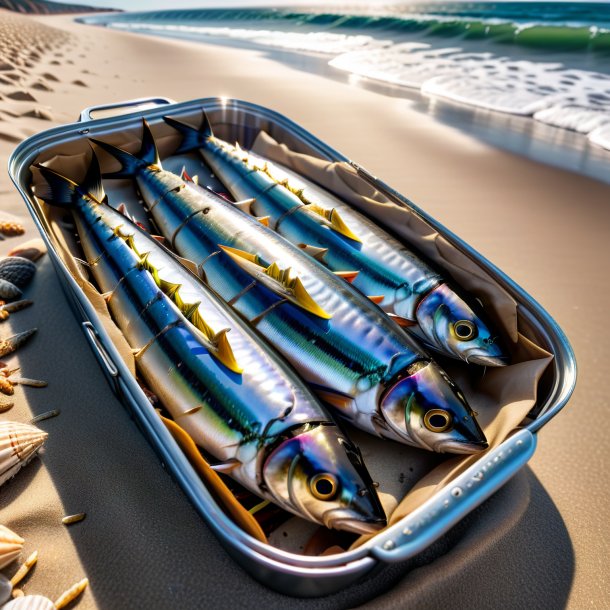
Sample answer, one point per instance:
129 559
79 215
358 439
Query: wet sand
546 228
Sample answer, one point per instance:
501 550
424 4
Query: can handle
85 115
99 351
439 514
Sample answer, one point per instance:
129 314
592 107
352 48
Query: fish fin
192 138
348 276
280 281
159 238
245 205
332 398
58 190
304 300
224 352
235 252
403 322
336 222
148 156
184 174
376 298
92 182
196 179
189 264
106 296
314 251
225 467
189 309
264 220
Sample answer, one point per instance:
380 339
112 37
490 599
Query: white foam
571 99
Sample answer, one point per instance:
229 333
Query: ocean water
546 60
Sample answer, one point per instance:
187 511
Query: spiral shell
10 546
8 290
18 445
17 270
30 602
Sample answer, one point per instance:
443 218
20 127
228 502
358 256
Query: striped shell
10 546
17 270
30 602
8 290
18 445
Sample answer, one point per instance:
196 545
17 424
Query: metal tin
292 573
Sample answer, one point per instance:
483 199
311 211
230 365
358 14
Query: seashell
32 249
19 443
10 228
10 546
9 345
6 588
8 308
17 270
30 602
6 406
8 290
6 386
32 383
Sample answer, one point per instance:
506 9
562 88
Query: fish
408 289
235 398
354 358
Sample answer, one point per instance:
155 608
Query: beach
142 544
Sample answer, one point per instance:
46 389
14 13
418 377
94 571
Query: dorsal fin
336 222
281 281
217 342
314 251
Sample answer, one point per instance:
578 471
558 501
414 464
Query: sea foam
572 99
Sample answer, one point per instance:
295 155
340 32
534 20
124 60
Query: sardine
412 293
232 394
345 347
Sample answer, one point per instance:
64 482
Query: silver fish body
353 356
238 401
410 291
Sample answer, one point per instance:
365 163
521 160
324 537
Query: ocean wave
569 98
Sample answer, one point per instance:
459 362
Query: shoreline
545 227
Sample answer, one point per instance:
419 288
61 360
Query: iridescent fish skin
238 408
307 215
341 344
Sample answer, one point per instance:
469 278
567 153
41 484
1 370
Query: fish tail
62 191
192 138
148 156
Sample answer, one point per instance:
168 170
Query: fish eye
465 330
437 420
324 486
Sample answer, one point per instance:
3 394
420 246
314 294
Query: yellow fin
264 220
336 222
376 298
235 253
336 400
245 205
224 353
280 281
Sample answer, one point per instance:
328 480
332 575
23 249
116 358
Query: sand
542 541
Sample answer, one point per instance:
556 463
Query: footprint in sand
49 76
55 63
5 66
21 95
39 113
79 83
40 86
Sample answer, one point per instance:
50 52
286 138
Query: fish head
425 408
451 326
319 474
